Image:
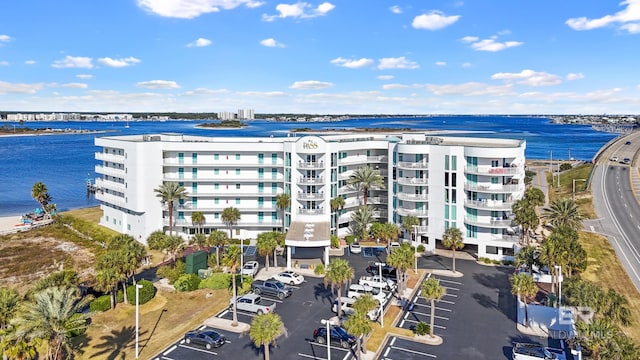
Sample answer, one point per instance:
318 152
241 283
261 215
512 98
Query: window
260 216
274 158
237 186
495 180
274 188
260 202
446 195
216 201
194 158
260 173
194 187
216 156
453 196
260 158
216 186
180 173
194 202
492 250
216 215
237 156
446 179
180 158
274 173
454 162
216 171
194 173
129 227
237 201
454 179
274 216
260 187
446 162
237 171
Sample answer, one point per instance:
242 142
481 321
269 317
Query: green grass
582 195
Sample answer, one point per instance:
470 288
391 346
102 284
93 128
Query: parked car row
253 301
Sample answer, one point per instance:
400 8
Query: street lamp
381 306
138 287
415 249
559 274
573 192
329 323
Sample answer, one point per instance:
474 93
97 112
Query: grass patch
604 269
582 195
92 214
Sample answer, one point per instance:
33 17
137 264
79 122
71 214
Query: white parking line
196 349
450 281
437 308
413 352
170 350
451 288
452 295
435 316
434 325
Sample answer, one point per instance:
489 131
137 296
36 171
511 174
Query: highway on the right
615 202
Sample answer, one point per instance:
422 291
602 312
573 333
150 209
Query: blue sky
332 57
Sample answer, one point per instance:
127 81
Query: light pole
559 274
328 323
573 192
138 287
415 249
381 306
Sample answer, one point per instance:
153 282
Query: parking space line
413 352
310 356
434 325
435 316
451 288
452 295
222 314
450 281
169 350
196 349
437 308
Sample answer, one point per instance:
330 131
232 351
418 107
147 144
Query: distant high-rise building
246 114
226 115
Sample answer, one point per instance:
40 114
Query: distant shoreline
55 132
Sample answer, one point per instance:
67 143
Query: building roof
308 231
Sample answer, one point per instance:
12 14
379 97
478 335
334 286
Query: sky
321 57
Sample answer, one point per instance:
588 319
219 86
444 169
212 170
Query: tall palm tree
40 193
523 286
232 260
266 244
130 254
564 212
9 300
366 178
52 317
279 237
264 331
358 325
337 204
198 219
230 216
283 202
15 347
528 256
432 291
408 222
339 273
402 259
596 334
169 193
534 196
452 239
109 274
390 232
360 221
199 240
218 239
525 216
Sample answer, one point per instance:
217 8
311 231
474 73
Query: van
347 308
525 351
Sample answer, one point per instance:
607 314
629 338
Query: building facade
468 183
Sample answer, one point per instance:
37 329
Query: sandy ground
8 223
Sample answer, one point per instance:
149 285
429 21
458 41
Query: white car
357 290
614 158
289 277
347 308
355 248
250 268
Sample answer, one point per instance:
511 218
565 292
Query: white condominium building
468 183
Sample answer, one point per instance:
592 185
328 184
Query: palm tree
534 196
230 216
366 178
390 232
198 219
528 256
283 202
9 300
218 239
337 204
402 259
40 193
564 212
266 244
19 348
264 331
174 245
339 273
199 241
169 193
452 239
432 291
279 237
358 325
525 216
596 334
360 221
523 286
616 308
108 274
130 254
232 260
52 317
408 222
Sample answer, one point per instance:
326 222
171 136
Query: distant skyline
325 57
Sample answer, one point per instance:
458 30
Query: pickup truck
271 287
525 351
252 303
378 282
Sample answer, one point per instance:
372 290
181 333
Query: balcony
363 159
310 164
111 199
489 204
506 238
489 222
311 180
413 181
494 188
493 171
109 157
418 165
310 196
106 170
412 212
413 197
311 211
112 185
221 178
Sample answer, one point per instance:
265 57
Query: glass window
274 158
260 216
237 156
216 156
446 179
492 250
194 173
216 215
129 227
237 171
446 211
194 158
237 186
216 186
180 173
454 179
194 187
260 173
446 162
260 158
495 180
274 173
454 162
453 196
237 201
453 212
216 171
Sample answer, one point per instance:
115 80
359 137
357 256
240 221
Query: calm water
64 162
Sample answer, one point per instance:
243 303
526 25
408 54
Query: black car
387 271
338 335
208 338
628 143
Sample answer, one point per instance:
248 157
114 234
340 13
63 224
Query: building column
288 257
326 256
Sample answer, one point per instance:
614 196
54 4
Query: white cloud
471 89
118 63
311 85
4 63
5 38
401 86
271 42
73 62
352 64
84 76
189 9
489 44
75 85
627 19
16 88
205 91
158 84
575 76
397 63
529 77
434 20
30 62
441 63
467 65
263 94
396 9
301 10
200 42
386 77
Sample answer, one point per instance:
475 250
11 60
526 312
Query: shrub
335 242
507 262
421 248
103 303
485 260
565 166
319 270
422 328
495 262
172 272
187 282
146 293
119 295
216 281
350 239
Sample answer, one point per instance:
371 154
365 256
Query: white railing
310 196
412 212
413 165
493 188
310 180
487 222
507 238
489 204
413 181
412 197
493 171
310 164
106 170
311 211
109 157
106 184
110 199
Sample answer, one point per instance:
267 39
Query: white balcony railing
493 188
489 204
310 196
412 197
413 181
106 170
111 199
109 157
311 211
311 180
493 171
112 185
418 165
489 222
310 164
412 212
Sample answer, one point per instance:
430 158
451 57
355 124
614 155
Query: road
616 204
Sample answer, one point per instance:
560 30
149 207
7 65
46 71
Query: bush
485 260
187 282
565 166
421 248
495 262
103 303
172 272
350 239
507 262
335 242
422 328
216 281
146 293
319 270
